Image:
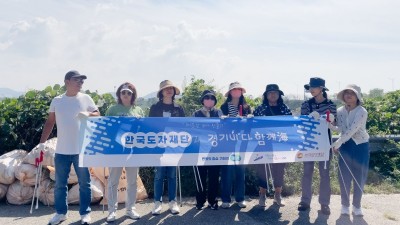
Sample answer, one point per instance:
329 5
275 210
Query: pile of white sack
18 176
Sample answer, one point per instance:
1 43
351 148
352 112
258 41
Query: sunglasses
126 93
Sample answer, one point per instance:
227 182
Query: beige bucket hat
356 89
233 86
165 84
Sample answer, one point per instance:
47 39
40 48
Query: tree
190 100
375 93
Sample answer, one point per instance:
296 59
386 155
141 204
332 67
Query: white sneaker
57 218
111 217
345 210
157 208
262 201
225 205
173 207
133 214
242 204
357 211
85 219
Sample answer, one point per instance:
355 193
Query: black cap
208 93
316 82
74 73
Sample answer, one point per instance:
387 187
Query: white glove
41 146
333 127
138 116
223 117
336 145
314 114
250 116
83 115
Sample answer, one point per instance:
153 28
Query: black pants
210 190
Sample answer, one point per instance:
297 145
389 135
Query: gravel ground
378 209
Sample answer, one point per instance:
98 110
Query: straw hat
165 84
233 86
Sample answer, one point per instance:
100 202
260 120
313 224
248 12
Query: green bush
22 119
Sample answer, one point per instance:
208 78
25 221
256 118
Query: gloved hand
314 114
336 145
250 116
83 115
223 117
41 146
138 116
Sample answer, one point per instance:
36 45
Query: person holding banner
234 105
126 95
272 106
166 107
204 173
318 105
353 148
66 111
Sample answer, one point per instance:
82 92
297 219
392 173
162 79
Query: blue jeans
63 167
160 172
354 158
226 182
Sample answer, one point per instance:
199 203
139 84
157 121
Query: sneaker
111 217
303 206
85 219
225 205
213 206
262 201
345 211
325 210
199 207
242 204
57 218
278 200
173 207
133 214
357 211
157 208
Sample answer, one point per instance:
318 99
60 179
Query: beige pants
113 181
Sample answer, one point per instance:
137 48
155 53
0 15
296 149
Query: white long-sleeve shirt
352 124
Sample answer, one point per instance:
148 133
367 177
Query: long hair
242 101
132 88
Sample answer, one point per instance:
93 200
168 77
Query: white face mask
208 103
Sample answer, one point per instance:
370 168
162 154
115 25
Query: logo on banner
153 140
235 157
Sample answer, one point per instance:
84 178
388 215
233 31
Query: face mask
208 103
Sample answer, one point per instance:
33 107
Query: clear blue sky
254 42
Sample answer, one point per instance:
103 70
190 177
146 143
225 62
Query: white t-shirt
67 109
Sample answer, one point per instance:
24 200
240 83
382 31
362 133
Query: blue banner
186 141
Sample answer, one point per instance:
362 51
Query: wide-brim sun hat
233 86
352 87
210 93
166 84
272 87
316 82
